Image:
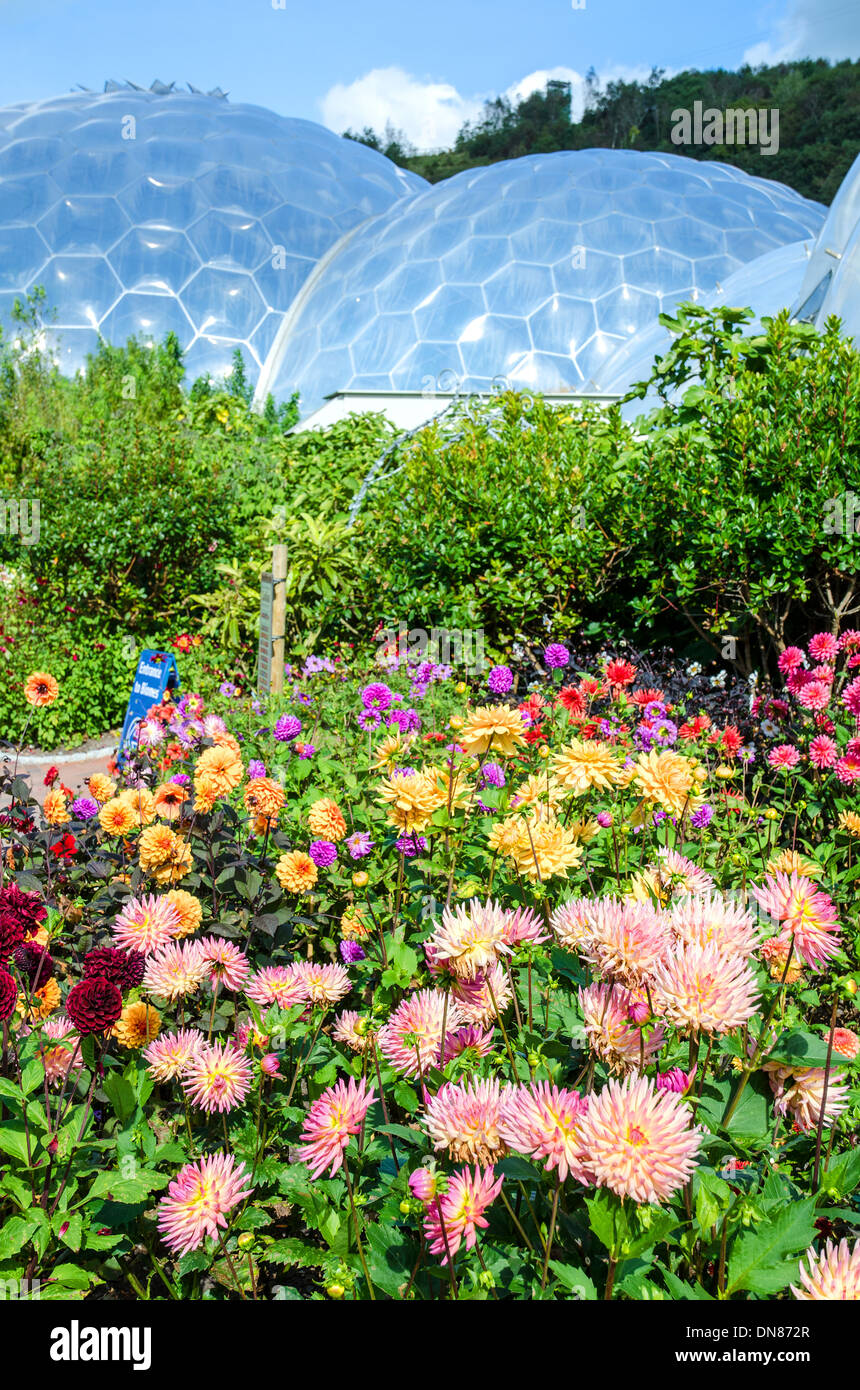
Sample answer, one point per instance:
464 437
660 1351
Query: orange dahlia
101 788
296 872
168 800
189 910
40 689
116 818
222 769
141 802
55 809
264 797
138 1024
326 820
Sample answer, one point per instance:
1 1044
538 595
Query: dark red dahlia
8 995
35 963
11 932
93 1006
122 968
27 907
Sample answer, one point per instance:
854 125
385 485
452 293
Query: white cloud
430 114
811 29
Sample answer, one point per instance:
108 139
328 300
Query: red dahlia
8 995
122 968
93 1006
11 932
27 907
35 963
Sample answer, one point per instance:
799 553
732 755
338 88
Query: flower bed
406 988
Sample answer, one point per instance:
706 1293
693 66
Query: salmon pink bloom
610 1031
800 1095
465 1117
227 965
701 990
325 984
217 1077
170 1054
198 1200
638 1141
338 1113
277 984
545 1122
412 1038
146 924
456 1214
832 1275
806 912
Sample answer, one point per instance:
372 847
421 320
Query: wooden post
279 609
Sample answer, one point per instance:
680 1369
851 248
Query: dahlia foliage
413 986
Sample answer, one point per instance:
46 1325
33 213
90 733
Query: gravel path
75 766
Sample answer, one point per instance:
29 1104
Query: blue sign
156 674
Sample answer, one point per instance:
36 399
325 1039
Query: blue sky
426 67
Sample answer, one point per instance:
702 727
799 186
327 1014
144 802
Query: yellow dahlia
138 1024
189 910
101 788
496 727
850 821
412 798
163 853
584 763
55 808
296 872
116 818
326 820
788 861
177 866
666 779
545 848
537 788
389 751
505 835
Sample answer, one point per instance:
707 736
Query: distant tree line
819 123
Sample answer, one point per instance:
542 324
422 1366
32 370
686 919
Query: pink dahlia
823 647
849 640
800 1095
170 1054
523 927
338 1113
627 940
198 1200
465 1118
456 1214
701 990
175 971
350 1028
610 1031
412 1037
571 922
470 938
832 1275
277 984
217 1077
851 696
472 1038
639 1141
146 924
713 920
790 659
546 1122
822 752
478 999
785 756
325 984
226 964
806 911
815 695
847 769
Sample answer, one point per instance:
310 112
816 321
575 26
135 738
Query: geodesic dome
142 211
532 272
